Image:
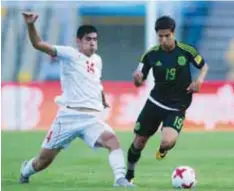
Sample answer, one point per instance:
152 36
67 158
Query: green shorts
152 116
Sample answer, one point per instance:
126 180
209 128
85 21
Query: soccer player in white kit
80 104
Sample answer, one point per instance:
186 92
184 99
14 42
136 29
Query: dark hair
85 29
165 22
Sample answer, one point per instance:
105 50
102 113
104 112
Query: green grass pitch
81 169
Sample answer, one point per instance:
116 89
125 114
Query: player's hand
138 78
30 17
194 86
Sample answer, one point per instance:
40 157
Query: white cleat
123 182
23 180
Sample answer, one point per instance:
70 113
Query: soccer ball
183 177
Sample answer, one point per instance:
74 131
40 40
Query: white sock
116 160
28 170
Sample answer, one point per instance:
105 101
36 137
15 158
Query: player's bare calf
168 141
108 140
37 164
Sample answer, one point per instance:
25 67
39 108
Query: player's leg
36 164
172 126
109 140
45 157
58 137
134 154
99 134
147 124
168 141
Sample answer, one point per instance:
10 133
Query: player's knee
110 141
114 143
169 137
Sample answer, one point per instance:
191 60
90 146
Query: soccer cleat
131 181
130 176
23 180
123 182
160 156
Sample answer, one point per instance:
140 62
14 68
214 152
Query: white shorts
70 124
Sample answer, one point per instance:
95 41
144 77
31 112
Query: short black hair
165 22
85 29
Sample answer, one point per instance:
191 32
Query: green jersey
172 75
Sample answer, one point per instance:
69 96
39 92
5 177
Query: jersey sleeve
64 52
144 66
196 59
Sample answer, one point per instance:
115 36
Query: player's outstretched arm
30 18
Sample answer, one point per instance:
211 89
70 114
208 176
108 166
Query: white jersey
80 79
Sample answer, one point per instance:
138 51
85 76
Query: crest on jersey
137 126
158 63
181 60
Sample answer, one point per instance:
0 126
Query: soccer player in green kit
171 94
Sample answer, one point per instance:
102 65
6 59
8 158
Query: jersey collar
176 44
